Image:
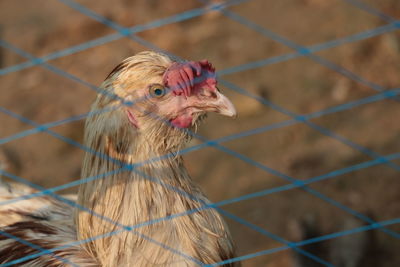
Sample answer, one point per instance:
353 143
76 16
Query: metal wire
217 143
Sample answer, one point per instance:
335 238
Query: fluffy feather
42 222
151 191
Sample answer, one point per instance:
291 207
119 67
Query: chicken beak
220 104
225 106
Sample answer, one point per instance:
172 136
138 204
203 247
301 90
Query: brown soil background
300 85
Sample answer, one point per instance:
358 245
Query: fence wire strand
130 32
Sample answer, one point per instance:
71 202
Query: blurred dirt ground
299 85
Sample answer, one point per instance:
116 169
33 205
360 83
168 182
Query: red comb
187 77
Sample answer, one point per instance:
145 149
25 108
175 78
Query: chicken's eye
157 90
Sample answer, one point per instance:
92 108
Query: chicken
152 103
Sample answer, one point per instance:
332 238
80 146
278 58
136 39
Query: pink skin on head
183 121
188 78
132 119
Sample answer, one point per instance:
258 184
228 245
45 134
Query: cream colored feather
153 191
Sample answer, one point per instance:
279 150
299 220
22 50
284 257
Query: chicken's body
156 214
31 226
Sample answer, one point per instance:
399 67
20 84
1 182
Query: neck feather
121 197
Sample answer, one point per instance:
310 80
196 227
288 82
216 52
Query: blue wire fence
299 51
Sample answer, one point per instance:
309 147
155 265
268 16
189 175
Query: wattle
182 121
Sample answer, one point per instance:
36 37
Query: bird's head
159 98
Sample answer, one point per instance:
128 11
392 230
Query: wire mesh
308 120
